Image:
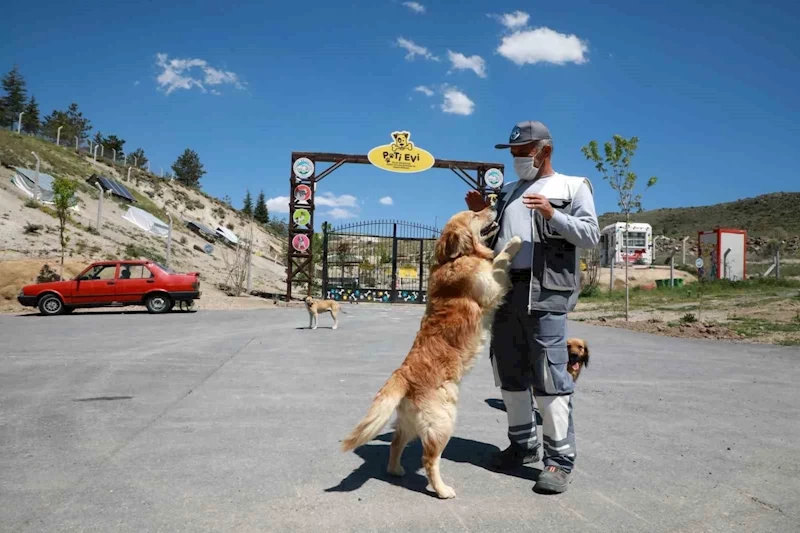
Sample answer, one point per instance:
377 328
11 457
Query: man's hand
475 201
539 202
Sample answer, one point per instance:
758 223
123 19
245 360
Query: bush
47 274
133 251
688 318
32 229
31 203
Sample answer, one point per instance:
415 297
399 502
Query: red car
114 284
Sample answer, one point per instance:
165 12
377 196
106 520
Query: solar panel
116 188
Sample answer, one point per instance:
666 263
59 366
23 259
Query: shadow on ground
376 457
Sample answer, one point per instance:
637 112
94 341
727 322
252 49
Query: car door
133 282
96 286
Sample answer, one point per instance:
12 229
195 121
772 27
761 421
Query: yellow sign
405 272
401 155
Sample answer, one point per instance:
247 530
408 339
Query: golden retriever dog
578 356
315 307
466 285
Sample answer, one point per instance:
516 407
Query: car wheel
171 305
51 305
158 303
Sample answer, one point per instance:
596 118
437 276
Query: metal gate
380 261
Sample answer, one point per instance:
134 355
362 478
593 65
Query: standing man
554 214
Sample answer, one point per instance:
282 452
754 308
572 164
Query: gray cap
526 132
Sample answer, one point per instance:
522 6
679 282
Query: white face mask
526 168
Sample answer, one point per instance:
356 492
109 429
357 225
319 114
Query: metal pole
324 260
169 239
19 122
672 271
37 192
99 205
393 294
102 150
250 257
58 136
421 266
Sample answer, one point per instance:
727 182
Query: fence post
95 151
169 239
777 264
37 191
115 155
19 123
76 143
324 260
672 270
394 263
613 260
58 136
129 174
99 205
421 265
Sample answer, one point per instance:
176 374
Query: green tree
614 167
261 213
247 204
14 99
98 138
73 122
30 120
112 142
188 168
63 198
137 158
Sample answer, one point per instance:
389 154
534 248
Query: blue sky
710 91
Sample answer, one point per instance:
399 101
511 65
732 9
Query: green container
661 283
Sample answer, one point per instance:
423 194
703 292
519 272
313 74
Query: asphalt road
231 421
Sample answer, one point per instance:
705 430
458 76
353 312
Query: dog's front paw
398 471
446 492
513 246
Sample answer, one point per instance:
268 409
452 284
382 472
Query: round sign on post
699 262
300 242
303 168
302 193
301 217
493 178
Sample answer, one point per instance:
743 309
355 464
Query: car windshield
164 268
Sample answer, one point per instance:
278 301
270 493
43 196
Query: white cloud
513 21
279 204
416 7
137 82
386 200
543 45
456 102
424 90
179 74
340 213
461 62
414 49
329 199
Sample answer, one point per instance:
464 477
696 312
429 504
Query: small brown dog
465 287
316 307
578 356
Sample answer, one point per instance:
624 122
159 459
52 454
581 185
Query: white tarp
25 179
146 221
227 234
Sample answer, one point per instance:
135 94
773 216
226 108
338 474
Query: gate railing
378 261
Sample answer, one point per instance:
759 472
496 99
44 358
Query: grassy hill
766 216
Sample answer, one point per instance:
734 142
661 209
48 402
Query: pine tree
14 99
247 208
188 168
261 214
30 120
137 158
79 126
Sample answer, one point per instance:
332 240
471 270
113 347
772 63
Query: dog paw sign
401 155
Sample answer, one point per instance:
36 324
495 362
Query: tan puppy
578 356
316 307
465 288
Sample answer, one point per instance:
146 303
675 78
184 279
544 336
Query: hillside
119 238
760 216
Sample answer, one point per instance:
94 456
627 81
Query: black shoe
553 480
514 456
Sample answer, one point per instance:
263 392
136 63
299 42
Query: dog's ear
395 135
586 353
451 245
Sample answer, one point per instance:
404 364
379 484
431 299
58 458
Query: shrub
47 274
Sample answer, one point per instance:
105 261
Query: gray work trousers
529 356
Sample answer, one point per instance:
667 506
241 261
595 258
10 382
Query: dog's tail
384 404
